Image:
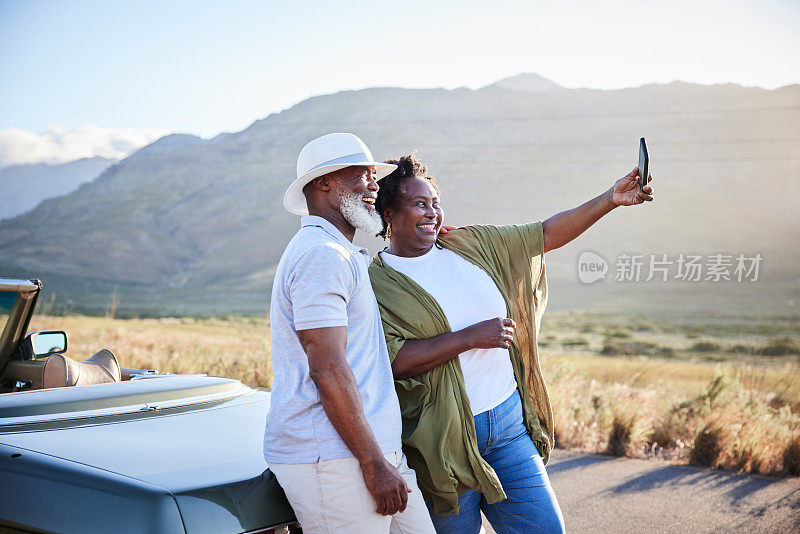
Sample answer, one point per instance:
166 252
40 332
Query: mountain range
25 186
193 226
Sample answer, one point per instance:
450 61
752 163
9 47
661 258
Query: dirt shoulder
601 493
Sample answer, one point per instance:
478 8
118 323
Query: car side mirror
45 343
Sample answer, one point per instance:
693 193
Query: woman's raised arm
563 227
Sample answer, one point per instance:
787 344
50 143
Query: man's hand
444 229
497 333
386 486
338 393
626 191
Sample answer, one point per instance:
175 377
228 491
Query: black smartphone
644 163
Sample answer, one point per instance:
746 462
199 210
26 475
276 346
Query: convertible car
88 446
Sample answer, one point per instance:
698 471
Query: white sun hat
327 154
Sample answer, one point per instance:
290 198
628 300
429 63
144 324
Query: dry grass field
235 347
721 392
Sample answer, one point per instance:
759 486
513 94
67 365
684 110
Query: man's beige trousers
330 497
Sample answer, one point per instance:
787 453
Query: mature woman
461 315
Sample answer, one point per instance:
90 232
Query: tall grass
742 418
234 347
734 423
742 429
791 455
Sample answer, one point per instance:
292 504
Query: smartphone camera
644 163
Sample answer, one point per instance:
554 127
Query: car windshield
7 299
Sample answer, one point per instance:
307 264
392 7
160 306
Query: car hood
208 455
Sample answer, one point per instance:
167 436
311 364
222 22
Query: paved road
618 495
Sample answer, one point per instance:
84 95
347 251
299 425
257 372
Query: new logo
591 267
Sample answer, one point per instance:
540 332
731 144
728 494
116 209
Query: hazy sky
203 67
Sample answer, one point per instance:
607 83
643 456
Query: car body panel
133 396
51 494
152 453
208 456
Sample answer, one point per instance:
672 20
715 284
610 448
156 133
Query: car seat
62 371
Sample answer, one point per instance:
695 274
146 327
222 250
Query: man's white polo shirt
322 281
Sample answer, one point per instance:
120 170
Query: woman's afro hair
407 167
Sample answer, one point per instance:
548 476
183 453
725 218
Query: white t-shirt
467 295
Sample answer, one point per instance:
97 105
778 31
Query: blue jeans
530 504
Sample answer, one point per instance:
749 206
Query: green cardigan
438 428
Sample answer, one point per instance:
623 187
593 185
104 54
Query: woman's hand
626 191
417 356
497 333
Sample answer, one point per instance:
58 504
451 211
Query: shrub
704 346
780 346
632 348
742 349
741 431
715 388
791 456
710 444
666 352
617 334
736 423
620 436
629 431
627 436
694 332
673 429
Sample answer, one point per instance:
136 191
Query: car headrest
62 371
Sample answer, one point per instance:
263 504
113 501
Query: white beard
358 215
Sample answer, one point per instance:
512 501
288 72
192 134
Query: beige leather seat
61 371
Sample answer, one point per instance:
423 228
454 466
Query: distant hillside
198 227
25 186
527 81
167 143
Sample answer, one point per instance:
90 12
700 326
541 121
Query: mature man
333 430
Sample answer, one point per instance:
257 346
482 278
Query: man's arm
338 393
563 227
